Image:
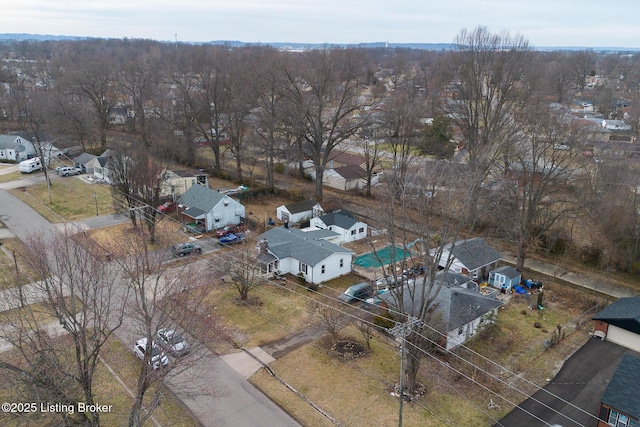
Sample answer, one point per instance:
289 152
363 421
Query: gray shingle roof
291 242
351 172
342 219
508 271
474 253
84 158
8 141
623 391
455 305
305 205
624 313
202 198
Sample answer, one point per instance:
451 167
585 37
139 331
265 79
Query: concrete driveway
580 384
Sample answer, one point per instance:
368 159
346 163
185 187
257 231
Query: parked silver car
172 341
158 358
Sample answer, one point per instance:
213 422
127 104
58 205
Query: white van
31 165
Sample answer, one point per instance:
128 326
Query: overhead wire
147 216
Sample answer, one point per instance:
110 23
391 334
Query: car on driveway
69 171
231 238
359 292
188 248
228 229
172 341
167 207
158 358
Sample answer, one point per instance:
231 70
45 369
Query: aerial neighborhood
248 235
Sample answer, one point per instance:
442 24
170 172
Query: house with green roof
209 209
290 250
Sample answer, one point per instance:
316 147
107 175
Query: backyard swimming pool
384 257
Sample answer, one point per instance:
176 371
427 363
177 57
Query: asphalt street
211 389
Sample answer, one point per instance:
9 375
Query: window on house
322 269
460 331
341 262
361 230
620 420
303 268
353 232
217 219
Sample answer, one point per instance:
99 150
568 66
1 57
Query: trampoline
384 257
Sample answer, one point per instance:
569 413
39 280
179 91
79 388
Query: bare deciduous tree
327 92
488 71
77 289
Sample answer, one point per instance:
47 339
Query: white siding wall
623 337
230 213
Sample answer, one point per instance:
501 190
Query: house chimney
263 245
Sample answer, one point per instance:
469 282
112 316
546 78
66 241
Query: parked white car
158 358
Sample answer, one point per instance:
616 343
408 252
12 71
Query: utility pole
401 331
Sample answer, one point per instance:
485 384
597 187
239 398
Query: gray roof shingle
474 253
624 313
202 198
456 305
623 391
303 206
291 242
343 219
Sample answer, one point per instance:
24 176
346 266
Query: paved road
212 390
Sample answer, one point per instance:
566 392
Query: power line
149 216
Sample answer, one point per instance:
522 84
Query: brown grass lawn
109 392
72 199
356 392
12 176
8 277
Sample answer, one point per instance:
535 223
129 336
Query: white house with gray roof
298 212
342 222
458 313
290 250
209 208
472 257
16 148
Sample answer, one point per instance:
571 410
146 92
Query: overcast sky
582 23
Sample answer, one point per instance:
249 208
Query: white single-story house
342 222
340 158
16 148
472 257
84 162
457 312
209 208
345 178
289 250
505 277
295 213
619 323
177 182
102 166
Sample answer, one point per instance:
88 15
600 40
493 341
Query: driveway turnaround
572 398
